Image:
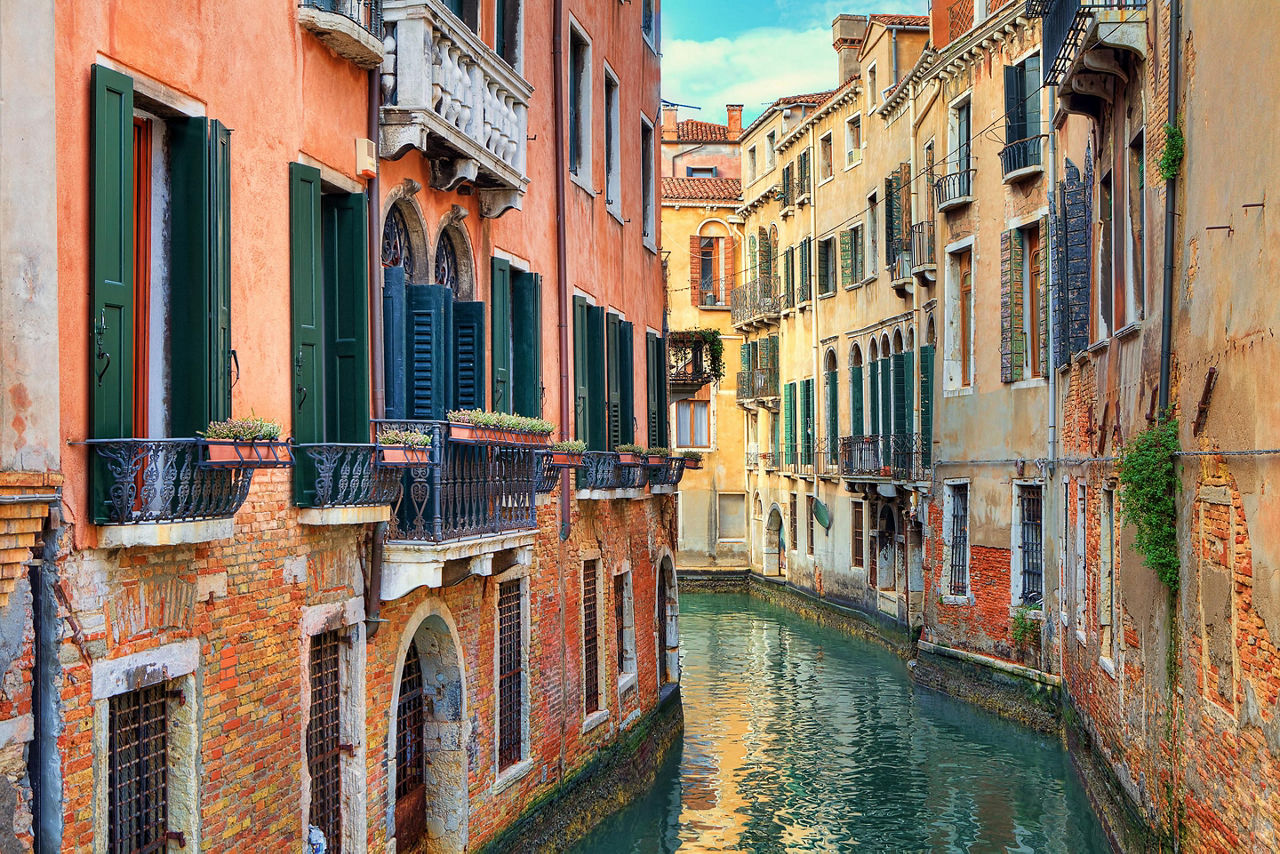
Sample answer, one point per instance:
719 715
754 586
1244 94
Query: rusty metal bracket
177 694
77 632
176 836
1202 410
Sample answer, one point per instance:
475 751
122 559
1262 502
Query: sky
751 52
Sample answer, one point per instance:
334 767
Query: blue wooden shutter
395 349
307 303
500 305
428 334
875 397
627 374
468 355
346 318
652 378
526 344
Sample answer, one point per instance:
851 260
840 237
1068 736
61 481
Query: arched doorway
774 546
668 614
888 552
430 757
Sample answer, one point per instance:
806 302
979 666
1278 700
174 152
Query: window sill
1096 346
827 295
511 776
583 184
164 533
1030 382
869 279
826 180
948 599
594 720
849 166
1129 330
649 43
626 682
714 307
1108 666
615 211
962 391
650 245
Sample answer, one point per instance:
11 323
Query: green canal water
799 738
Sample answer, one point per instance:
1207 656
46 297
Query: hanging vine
1174 149
1148 489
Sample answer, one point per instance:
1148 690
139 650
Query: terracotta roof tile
691 130
813 98
702 189
901 20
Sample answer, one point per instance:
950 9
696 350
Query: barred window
959 539
510 675
792 527
859 536
1030 509
324 753
138 787
590 637
808 524
411 802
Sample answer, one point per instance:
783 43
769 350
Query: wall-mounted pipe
44 766
1170 215
376 368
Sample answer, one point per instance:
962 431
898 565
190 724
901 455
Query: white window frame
752 163
1015 541
872 95
648 186
852 153
827 139
651 35
613 159
693 432
628 676
586 88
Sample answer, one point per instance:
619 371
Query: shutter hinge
176 836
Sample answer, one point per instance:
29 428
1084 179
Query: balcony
1022 159
666 476
158 492
604 476
456 514
828 463
351 28
923 263
349 487
757 385
759 301
900 266
1083 44
450 96
693 360
896 456
714 293
954 190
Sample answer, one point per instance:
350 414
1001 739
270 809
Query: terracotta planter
655 460
265 453
697 464
402 456
566 459
628 459
467 433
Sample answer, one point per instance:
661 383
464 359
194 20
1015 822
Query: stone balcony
453 98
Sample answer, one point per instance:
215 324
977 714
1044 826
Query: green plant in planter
629 449
501 421
1148 492
1025 627
658 452
404 438
571 446
715 350
695 456
251 429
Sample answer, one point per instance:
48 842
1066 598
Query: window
1080 557
590 636
751 163
1030 542
507 20
807 425
700 171
1106 575
649 23
1135 279
1032 292
1105 316
620 373
656 358
731 516
612 163
411 793
858 530
138 784
852 140
648 227
1022 103
789 423
468 11
827 266
965 315
324 752
793 522
770 149
803 175
826 166
510 674
962 144
872 91
579 105
626 631
958 528
808 522
693 424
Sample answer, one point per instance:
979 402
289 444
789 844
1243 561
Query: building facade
247 640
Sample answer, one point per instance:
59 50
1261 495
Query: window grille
1031 508
411 804
590 639
324 753
792 525
510 675
960 540
663 674
138 804
619 592
859 541
808 524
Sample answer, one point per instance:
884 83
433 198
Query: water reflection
799 739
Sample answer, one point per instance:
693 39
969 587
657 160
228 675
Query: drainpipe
44 764
819 391
893 33
1050 494
1170 213
563 296
378 386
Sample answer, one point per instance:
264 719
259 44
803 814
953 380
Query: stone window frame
649 220
853 153
348 616
174 665
1015 540
953 384
944 576
628 677
586 90
591 720
1108 560
1080 558
613 123
720 538
826 158
504 777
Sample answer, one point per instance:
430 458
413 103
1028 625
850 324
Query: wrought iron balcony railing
954 189
668 473
449 95
1024 154
770 461
467 489
896 456
347 476
163 480
757 301
829 456
602 470
353 28
548 475
922 248
757 384
1066 22
689 361
900 264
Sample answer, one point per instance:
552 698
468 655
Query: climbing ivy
715 349
1025 627
1174 148
1148 487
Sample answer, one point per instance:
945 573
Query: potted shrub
568 454
658 456
244 443
404 448
478 425
692 459
631 455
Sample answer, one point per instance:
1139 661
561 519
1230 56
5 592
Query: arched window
411 803
856 414
711 265
397 247
446 270
831 446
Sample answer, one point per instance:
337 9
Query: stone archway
774 547
668 614
888 551
429 745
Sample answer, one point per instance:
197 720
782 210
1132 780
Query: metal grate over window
409 718
619 594
1031 506
138 803
663 673
324 752
960 539
590 639
510 675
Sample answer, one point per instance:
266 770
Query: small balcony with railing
343 484
923 263
901 265
1022 159
609 474
1081 38
828 457
695 358
757 302
954 189
351 28
452 97
468 506
898 457
714 293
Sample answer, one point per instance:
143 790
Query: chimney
669 122
847 32
734 112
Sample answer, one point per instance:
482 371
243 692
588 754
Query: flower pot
402 456
262 453
567 459
628 459
468 434
655 460
697 464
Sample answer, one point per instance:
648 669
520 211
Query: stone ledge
408 565
343 36
344 515
164 533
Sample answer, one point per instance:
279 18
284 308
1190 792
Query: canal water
799 738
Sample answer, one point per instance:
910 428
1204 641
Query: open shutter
113 300
614 379
1031 96
695 270
652 368
892 217
1015 123
428 336
886 406
394 342
904 207
855 401
810 425
789 421
307 303
190 274
526 344
744 356
581 413
908 392
500 303
664 437
597 400
846 258
627 378
824 261
1042 270
833 410
875 397
346 318
899 394
926 404
805 283
468 355
220 272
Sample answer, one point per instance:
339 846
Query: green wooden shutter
581 412
908 392
614 379
886 406
926 404
220 272
627 378
597 391
846 257
190 269
855 401
899 394
652 368
833 410
1015 115
744 356
805 283
824 260
875 397
664 437
111 365
395 348
526 344
307 304
809 426
500 304
789 421
428 336
468 355
346 318
1031 95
